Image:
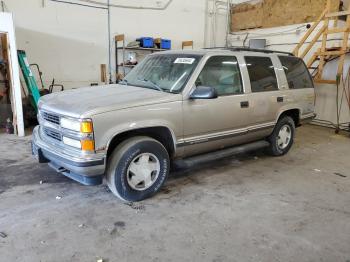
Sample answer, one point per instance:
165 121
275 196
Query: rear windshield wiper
155 86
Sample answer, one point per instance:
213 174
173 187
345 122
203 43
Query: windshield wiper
150 82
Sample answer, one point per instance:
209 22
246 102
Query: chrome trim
62 131
52 133
50 117
223 135
261 126
65 153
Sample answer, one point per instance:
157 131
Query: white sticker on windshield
184 60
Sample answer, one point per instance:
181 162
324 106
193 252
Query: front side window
163 72
261 73
296 72
221 73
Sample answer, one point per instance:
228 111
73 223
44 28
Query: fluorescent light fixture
71 142
70 124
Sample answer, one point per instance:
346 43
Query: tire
280 145
129 171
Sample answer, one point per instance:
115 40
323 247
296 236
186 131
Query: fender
286 108
127 127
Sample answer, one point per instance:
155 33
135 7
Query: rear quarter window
296 72
261 73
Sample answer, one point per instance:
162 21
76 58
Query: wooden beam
309 32
345 46
324 43
325 81
336 14
327 53
314 40
337 30
311 61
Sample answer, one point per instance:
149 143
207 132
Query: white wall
70 42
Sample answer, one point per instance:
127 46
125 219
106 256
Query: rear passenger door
267 90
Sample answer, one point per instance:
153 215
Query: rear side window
296 72
261 73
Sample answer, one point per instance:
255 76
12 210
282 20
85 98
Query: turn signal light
87 145
86 127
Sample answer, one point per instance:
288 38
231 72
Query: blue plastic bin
165 44
146 42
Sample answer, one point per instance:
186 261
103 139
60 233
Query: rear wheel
282 138
137 168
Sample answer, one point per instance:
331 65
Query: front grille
51 117
52 134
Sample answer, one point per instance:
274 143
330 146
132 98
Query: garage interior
246 207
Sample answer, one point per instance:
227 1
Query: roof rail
242 48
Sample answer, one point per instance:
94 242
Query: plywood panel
246 16
273 13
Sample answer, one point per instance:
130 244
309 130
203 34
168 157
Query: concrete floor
250 208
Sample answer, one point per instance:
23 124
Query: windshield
168 72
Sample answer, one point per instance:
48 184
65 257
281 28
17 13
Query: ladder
324 54
29 78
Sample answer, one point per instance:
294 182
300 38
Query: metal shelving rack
123 66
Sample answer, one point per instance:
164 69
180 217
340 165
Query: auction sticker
183 60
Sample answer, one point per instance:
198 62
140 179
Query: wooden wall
273 13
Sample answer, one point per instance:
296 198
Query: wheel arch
294 113
162 134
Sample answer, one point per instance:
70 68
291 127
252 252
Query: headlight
85 140
70 124
75 125
71 142
85 144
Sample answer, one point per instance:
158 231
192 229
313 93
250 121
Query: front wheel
282 137
137 168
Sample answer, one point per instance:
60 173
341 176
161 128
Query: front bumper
87 170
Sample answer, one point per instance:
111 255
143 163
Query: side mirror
204 92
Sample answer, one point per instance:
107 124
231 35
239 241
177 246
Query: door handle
244 104
280 99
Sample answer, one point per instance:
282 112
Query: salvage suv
176 108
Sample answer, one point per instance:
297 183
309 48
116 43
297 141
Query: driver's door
211 124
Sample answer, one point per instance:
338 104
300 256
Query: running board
227 152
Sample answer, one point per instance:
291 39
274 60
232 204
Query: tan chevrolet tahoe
176 108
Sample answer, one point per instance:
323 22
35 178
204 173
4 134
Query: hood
87 101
